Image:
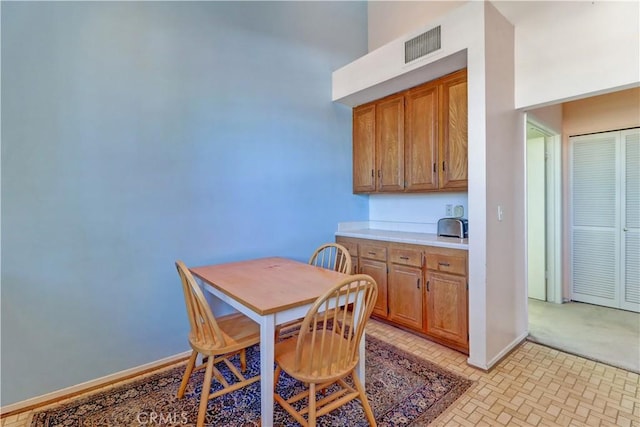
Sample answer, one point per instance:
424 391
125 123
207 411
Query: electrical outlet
449 210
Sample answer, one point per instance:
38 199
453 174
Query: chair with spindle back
332 256
216 340
322 355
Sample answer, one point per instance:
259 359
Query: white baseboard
91 385
507 349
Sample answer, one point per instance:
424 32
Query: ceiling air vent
422 45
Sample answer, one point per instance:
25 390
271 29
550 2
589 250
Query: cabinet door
352 247
377 270
453 143
390 143
447 307
364 144
421 138
405 295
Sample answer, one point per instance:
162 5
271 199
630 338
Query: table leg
267 343
360 369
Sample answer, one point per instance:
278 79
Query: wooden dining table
270 291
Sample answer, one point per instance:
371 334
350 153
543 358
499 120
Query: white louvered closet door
605 219
595 206
631 219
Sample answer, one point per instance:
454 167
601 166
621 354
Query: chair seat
238 330
320 363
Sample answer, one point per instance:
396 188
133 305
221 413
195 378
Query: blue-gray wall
134 134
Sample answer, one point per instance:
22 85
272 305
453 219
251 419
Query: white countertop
416 238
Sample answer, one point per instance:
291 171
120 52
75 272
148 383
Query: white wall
561 51
383 71
497 294
414 208
550 117
396 18
571 49
506 292
497 315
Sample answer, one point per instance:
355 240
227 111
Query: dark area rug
403 390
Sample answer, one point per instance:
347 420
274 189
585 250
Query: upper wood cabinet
390 143
364 143
413 141
453 137
421 138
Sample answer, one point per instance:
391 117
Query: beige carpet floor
599 333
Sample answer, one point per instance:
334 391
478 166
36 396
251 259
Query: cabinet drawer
447 263
373 251
351 245
405 256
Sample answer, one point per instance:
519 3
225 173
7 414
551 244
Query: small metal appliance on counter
453 227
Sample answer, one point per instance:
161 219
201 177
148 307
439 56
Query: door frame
553 209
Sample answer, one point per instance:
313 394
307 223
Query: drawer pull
406 258
371 253
443 264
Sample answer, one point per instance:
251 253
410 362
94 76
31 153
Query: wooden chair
321 357
332 256
216 340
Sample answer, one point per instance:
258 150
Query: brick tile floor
532 386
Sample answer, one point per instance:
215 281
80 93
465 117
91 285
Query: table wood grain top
269 285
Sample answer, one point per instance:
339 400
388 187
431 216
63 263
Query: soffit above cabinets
384 71
425 73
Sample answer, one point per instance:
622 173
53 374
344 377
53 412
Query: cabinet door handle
434 167
443 166
418 284
427 286
443 264
372 174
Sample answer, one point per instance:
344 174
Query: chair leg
204 397
187 374
243 360
312 405
363 398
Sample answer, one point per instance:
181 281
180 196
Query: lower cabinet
446 299
377 270
373 261
405 295
446 308
420 288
